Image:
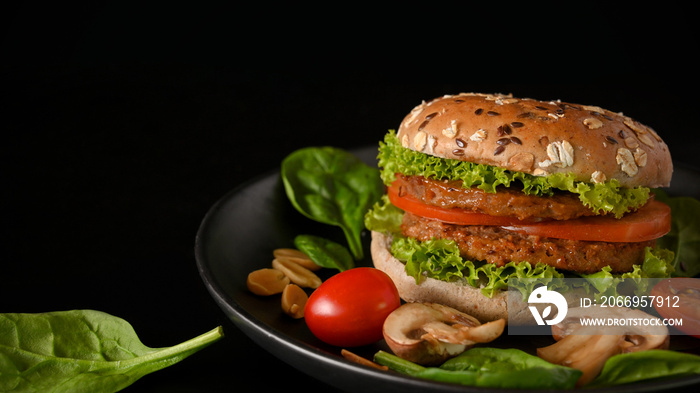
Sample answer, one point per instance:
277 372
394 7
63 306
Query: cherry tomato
679 298
349 308
652 221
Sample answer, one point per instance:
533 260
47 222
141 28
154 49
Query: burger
482 188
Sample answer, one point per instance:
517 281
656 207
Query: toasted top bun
539 138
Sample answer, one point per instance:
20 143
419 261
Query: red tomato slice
451 216
652 221
679 299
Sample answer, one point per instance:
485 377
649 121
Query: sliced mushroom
430 333
588 347
583 352
642 331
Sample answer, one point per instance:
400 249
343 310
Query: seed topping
640 157
504 130
420 140
598 177
561 154
479 135
592 123
452 130
626 160
522 161
631 142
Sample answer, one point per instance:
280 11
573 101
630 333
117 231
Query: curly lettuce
440 259
602 198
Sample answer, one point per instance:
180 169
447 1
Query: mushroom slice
588 347
639 335
583 352
430 333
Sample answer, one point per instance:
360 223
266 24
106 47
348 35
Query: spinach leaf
332 186
490 367
80 351
324 252
646 365
684 237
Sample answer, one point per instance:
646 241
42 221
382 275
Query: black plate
238 236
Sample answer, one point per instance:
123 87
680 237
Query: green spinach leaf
324 252
80 351
684 237
490 367
332 186
646 365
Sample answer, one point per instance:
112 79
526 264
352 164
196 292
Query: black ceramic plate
238 235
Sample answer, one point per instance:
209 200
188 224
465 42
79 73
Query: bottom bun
457 295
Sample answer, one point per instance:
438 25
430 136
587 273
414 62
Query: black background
123 126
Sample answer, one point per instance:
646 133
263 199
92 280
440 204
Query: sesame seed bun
539 138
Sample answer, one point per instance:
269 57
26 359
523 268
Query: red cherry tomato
679 298
349 309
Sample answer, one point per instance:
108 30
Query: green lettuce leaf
384 217
440 259
607 197
658 263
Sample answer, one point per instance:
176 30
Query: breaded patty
499 246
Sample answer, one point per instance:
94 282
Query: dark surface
121 128
227 251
